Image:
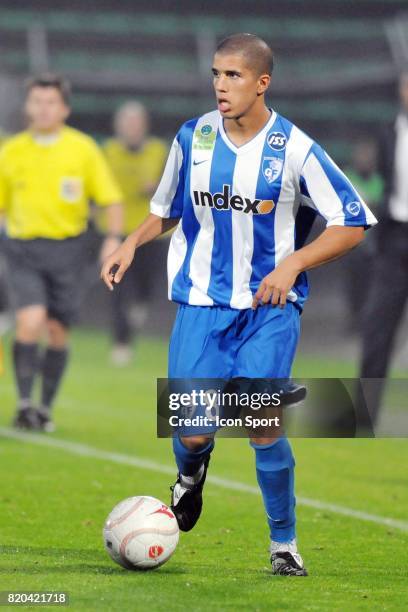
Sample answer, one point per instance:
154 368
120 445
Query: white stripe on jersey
245 180
200 263
216 262
321 191
176 255
161 203
296 151
371 220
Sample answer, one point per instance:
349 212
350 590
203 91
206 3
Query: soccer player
48 173
136 160
242 183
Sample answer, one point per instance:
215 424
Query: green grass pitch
53 504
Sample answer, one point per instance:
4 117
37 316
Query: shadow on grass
84 569
39 551
94 562
65 560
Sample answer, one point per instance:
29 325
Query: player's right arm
166 210
115 266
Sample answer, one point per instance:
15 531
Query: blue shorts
214 342
219 342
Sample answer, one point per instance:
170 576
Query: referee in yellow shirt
48 174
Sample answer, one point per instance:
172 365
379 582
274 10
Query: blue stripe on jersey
263 256
222 173
342 186
182 282
303 187
177 203
304 220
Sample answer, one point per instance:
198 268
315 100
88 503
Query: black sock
25 360
53 367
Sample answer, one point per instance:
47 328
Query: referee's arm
102 188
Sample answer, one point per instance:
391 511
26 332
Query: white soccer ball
141 533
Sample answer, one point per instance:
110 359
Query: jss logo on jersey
224 201
277 141
272 168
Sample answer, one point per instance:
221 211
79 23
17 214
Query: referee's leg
30 326
63 299
54 363
28 297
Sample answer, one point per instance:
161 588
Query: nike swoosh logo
196 163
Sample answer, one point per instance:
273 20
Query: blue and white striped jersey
244 209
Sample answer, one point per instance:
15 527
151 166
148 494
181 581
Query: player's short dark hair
49 79
256 51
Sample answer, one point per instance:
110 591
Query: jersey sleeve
167 202
326 189
101 186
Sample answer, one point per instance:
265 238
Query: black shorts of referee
46 272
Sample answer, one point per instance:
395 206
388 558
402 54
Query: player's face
237 87
46 109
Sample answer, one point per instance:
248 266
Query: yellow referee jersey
45 188
137 173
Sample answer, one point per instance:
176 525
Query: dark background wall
336 70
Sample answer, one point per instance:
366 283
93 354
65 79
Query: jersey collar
46 140
255 141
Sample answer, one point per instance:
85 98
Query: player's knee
57 334
30 323
195 443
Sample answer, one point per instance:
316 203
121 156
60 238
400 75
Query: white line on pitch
89 451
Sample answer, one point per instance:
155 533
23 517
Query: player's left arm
114 223
332 243
326 189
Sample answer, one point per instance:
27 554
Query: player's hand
116 264
109 246
275 287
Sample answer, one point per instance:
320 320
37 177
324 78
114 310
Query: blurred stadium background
335 76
